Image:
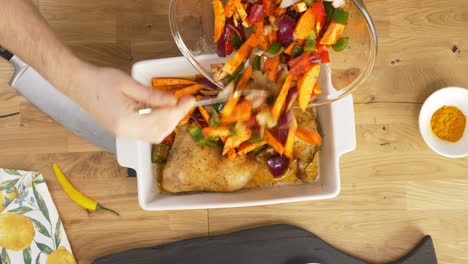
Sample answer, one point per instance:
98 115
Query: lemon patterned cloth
30 227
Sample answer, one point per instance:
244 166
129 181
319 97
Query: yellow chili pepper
75 195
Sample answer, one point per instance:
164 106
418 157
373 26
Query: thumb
185 104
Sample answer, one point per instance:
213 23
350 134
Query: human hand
114 99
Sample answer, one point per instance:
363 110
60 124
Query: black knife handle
5 53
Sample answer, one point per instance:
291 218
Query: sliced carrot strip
190 90
274 143
204 113
279 12
290 48
260 32
223 139
158 82
300 42
317 88
244 81
311 137
235 61
246 147
280 100
271 67
168 140
220 19
232 155
222 131
273 37
187 117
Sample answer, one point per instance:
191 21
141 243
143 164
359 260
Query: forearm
111 96
24 32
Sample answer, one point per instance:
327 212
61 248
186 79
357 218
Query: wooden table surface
395 189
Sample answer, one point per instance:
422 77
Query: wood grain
394 188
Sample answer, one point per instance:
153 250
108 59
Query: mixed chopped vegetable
241 126
286 38
274 45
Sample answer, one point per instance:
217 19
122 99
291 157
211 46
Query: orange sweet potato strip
229 106
204 113
242 112
235 61
280 100
311 137
244 81
289 146
305 25
190 90
229 9
274 143
161 82
220 19
235 140
306 86
240 9
271 67
246 147
333 34
222 131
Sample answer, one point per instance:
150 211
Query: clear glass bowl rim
373 48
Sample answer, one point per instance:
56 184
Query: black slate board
281 244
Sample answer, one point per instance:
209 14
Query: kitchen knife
58 106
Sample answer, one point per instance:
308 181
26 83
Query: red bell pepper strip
256 14
318 9
325 56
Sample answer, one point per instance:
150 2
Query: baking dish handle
344 125
127 152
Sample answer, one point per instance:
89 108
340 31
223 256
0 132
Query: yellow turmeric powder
448 123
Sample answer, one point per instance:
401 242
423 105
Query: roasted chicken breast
199 168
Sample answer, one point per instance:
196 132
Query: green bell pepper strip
275 48
228 79
296 52
256 63
196 133
340 16
311 43
328 10
160 153
341 44
236 41
214 118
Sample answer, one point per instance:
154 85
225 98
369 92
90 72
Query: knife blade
59 107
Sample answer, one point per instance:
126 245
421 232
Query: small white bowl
450 96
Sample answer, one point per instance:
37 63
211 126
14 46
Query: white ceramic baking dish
336 121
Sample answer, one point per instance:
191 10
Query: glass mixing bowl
192 26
